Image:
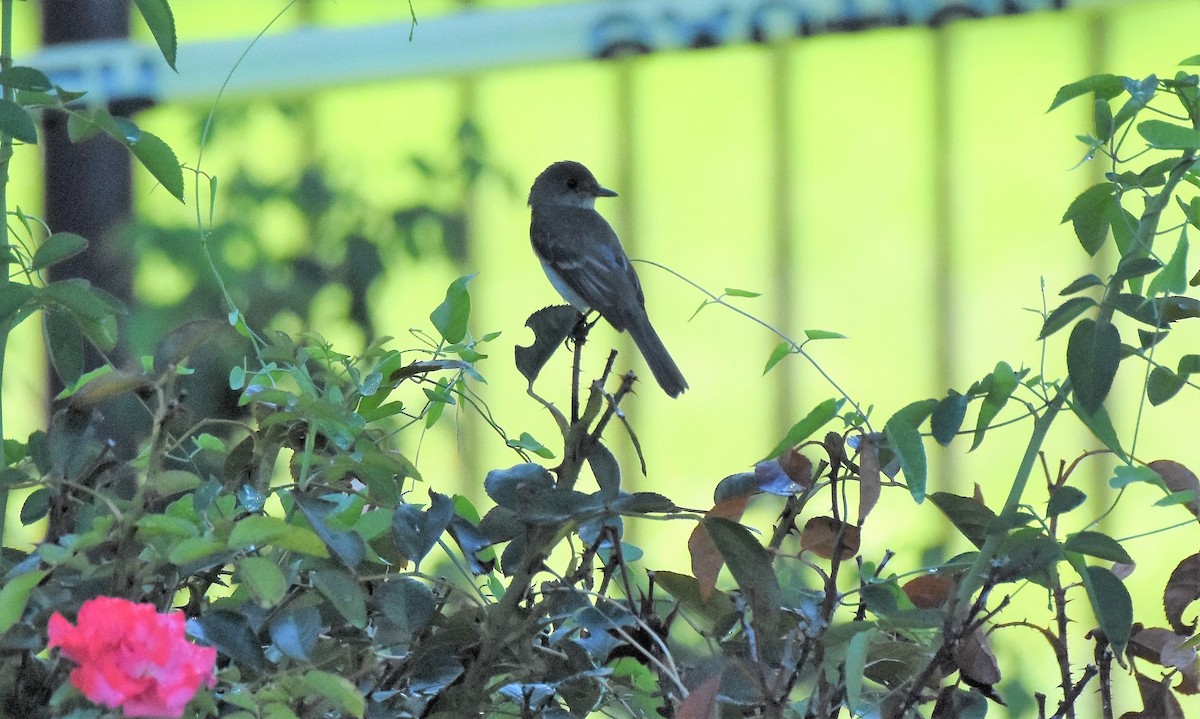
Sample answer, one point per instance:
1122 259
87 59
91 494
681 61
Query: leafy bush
297 540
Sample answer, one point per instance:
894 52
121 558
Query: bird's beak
605 192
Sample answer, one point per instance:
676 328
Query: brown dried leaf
1163 647
701 702
976 662
1157 700
820 536
1179 478
706 560
868 477
1182 589
929 591
797 467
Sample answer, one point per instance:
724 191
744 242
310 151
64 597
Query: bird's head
567 183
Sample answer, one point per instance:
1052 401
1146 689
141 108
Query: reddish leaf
706 560
1179 478
1183 588
820 536
929 591
868 477
797 467
701 702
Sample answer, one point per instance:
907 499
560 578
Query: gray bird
585 262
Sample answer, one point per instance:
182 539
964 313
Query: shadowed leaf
551 326
1182 589
1093 353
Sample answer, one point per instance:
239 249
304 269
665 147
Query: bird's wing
595 267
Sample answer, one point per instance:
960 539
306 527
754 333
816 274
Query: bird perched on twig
585 262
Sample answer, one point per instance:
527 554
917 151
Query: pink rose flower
132 657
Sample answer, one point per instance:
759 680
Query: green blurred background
902 186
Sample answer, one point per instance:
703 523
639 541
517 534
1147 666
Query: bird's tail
664 369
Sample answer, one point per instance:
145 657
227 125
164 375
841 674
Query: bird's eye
572 183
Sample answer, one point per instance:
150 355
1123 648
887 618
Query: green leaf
814 420
1063 500
158 17
56 248
1127 474
734 292
14 596
1080 284
337 690
751 567
19 77
81 299
527 442
1088 215
64 344
295 629
783 349
16 122
158 157
264 579
1111 603
1095 544
1102 119
13 298
855 667
1062 315
164 525
258 531
1162 385
1104 86
347 546
233 636
905 440
1101 427
408 603
1188 364
344 593
194 549
948 417
969 516
416 531
1132 266
1173 278
1093 353
1141 92
1123 224
823 335
450 317
1002 382
1164 135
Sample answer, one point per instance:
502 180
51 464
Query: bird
585 262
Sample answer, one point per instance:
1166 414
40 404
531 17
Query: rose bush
133 657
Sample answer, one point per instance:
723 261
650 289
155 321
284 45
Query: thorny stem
1068 702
